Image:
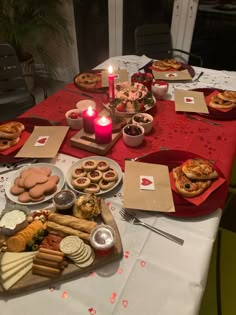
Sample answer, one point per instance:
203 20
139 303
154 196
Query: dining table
154 275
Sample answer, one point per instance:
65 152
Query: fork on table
201 119
133 220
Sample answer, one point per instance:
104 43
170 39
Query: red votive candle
103 129
89 116
111 83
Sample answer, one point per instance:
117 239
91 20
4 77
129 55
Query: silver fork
137 157
201 119
133 220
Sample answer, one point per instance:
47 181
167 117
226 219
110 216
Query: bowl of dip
159 89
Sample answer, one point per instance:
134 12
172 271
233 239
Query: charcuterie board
31 282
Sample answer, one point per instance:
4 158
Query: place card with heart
44 142
182 75
190 101
147 187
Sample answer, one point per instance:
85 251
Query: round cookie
94 176
89 165
81 182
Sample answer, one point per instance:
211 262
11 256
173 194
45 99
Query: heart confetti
113 298
125 303
143 263
92 311
120 271
126 254
92 274
64 295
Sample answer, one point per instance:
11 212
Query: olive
187 186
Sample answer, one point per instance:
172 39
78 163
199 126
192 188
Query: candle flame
110 69
103 121
90 111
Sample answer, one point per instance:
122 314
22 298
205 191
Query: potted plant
29 26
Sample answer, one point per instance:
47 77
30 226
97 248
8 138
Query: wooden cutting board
32 282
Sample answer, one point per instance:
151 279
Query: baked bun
11 130
218 102
8 143
172 63
159 65
228 96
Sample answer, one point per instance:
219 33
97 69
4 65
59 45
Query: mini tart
93 188
78 172
103 166
94 176
89 165
105 185
110 176
81 182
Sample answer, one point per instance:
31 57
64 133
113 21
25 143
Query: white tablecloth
155 276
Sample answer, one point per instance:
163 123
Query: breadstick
45 271
48 263
73 222
67 230
56 258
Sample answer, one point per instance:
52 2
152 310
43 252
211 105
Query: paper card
190 101
201 198
44 142
182 75
158 199
121 75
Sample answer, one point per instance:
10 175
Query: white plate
128 114
112 163
55 171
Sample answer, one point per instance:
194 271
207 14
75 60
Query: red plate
97 89
185 209
214 113
29 123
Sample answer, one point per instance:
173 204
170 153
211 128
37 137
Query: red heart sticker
145 182
42 140
171 75
189 100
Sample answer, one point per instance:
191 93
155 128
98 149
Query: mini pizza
110 176
105 185
187 187
94 176
89 165
87 80
172 63
78 172
103 166
199 169
81 182
93 188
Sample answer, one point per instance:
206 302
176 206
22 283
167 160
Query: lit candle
111 83
103 129
89 116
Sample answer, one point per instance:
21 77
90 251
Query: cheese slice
8 257
8 274
14 279
5 268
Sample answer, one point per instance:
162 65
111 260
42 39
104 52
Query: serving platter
55 171
32 282
184 208
214 113
112 163
29 123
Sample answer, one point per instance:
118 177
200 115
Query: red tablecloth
170 131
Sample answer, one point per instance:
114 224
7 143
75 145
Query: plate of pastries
188 184
171 65
89 81
95 174
221 103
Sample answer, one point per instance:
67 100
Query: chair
15 97
154 41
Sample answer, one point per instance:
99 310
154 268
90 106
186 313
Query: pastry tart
110 176
105 185
93 188
81 182
94 176
78 172
89 165
103 166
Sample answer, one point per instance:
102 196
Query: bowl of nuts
145 120
133 135
74 118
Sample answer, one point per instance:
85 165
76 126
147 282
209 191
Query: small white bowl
74 123
145 120
82 105
133 140
159 89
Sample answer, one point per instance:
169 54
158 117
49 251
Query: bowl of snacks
64 200
74 118
133 135
159 89
144 78
145 120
